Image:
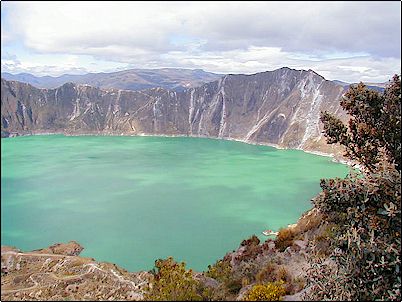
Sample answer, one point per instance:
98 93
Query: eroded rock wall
279 107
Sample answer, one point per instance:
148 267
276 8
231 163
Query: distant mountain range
132 79
137 79
376 86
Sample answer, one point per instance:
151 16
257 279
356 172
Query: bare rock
72 248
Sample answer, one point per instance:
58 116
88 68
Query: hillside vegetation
347 247
364 251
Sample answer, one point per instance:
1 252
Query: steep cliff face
280 107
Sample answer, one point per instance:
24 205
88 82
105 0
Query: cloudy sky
348 41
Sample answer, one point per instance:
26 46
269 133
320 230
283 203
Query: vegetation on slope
364 262
353 232
172 282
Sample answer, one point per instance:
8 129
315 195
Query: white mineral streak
257 127
121 278
59 264
151 99
89 105
46 263
156 111
311 98
191 111
262 105
312 118
93 267
259 122
131 125
76 110
116 106
55 95
307 86
24 110
222 124
200 123
200 111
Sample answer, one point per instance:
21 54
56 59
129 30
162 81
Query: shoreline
276 146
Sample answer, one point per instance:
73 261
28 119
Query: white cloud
343 40
56 65
84 27
252 60
258 59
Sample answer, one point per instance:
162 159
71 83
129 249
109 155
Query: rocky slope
58 273
278 107
132 79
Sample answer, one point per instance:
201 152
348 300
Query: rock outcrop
278 107
58 273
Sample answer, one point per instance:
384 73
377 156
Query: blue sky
348 41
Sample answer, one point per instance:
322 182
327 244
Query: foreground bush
284 239
365 251
365 262
272 291
172 282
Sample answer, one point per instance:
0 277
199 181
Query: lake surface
131 200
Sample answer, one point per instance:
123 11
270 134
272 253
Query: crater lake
132 200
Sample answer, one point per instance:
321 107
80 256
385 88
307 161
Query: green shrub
283 275
253 248
271 291
284 239
173 282
234 286
220 271
267 273
366 206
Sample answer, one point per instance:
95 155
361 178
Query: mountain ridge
279 107
130 79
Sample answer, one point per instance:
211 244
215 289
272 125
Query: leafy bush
221 271
324 238
252 241
365 251
267 273
374 131
284 239
271 291
283 275
234 286
173 282
253 248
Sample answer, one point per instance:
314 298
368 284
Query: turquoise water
131 200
